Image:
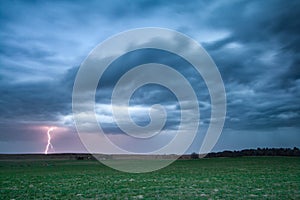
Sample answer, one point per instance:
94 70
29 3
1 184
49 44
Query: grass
215 178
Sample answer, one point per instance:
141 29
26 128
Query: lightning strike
49 139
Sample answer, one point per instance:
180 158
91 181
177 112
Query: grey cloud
258 59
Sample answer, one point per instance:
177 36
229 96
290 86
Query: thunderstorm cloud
255 45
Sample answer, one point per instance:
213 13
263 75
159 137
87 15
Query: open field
213 178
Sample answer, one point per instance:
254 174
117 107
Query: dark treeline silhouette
255 152
86 156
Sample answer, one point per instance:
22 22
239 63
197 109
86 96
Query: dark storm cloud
259 62
32 101
255 45
135 58
152 94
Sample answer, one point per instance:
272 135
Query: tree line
253 152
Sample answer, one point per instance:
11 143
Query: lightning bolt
49 139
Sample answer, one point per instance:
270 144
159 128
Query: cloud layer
255 45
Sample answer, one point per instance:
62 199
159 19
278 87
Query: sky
255 45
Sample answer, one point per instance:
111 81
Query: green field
214 178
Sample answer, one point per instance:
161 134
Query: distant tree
296 151
79 158
194 155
